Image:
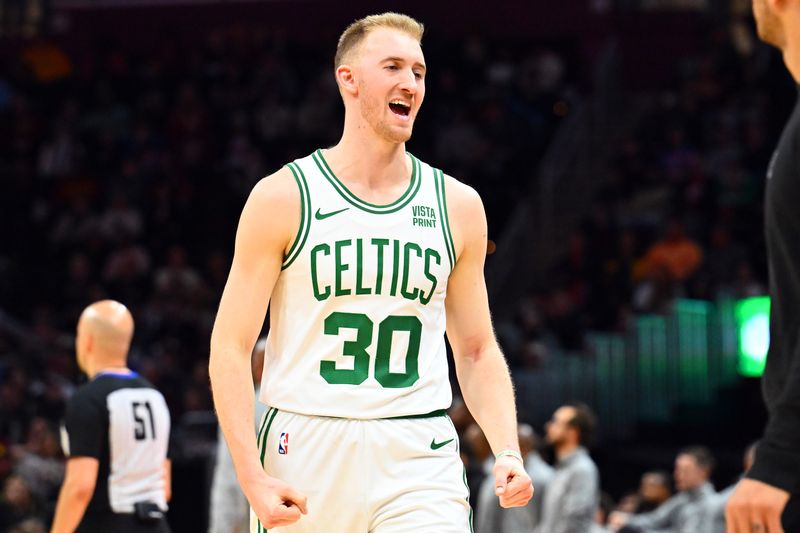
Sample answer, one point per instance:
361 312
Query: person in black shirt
116 434
770 492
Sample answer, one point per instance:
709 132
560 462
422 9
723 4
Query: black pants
119 523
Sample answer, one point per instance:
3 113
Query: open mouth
400 108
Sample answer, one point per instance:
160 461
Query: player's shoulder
279 186
271 214
461 198
276 195
455 189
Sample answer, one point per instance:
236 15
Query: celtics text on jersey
357 315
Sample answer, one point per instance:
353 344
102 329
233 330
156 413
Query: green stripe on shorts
263 446
464 475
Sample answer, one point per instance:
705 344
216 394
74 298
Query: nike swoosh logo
323 216
436 445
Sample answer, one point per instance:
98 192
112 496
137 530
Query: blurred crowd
568 484
679 213
124 168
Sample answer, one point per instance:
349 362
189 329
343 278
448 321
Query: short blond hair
358 30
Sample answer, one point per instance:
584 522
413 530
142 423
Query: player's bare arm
267 227
480 365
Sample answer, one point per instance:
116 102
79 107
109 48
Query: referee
768 499
115 435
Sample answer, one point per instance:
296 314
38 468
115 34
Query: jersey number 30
357 349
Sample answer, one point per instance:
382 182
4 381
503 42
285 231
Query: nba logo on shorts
283 444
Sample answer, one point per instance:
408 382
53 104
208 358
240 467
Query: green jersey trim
305 216
441 198
432 414
345 193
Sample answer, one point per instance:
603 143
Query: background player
314 281
761 498
116 435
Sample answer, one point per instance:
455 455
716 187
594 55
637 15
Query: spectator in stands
686 511
536 466
655 293
177 279
604 510
723 254
562 307
16 503
29 525
571 496
480 461
491 518
676 255
629 503
715 513
654 489
16 406
78 283
120 218
127 269
39 462
746 285
460 415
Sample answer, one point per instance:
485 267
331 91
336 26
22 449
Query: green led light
752 325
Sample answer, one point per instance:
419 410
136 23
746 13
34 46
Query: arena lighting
752 333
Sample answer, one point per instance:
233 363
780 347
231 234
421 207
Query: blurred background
620 148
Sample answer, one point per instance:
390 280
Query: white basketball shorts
399 475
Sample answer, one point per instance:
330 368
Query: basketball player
364 253
759 503
115 435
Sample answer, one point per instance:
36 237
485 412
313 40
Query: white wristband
509 453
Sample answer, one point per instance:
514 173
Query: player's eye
418 75
391 67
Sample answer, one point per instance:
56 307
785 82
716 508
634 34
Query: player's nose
408 83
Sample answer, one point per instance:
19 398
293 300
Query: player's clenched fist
511 482
275 503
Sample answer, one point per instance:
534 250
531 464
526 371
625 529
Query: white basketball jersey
357 317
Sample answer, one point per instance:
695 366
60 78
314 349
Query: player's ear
83 344
345 77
